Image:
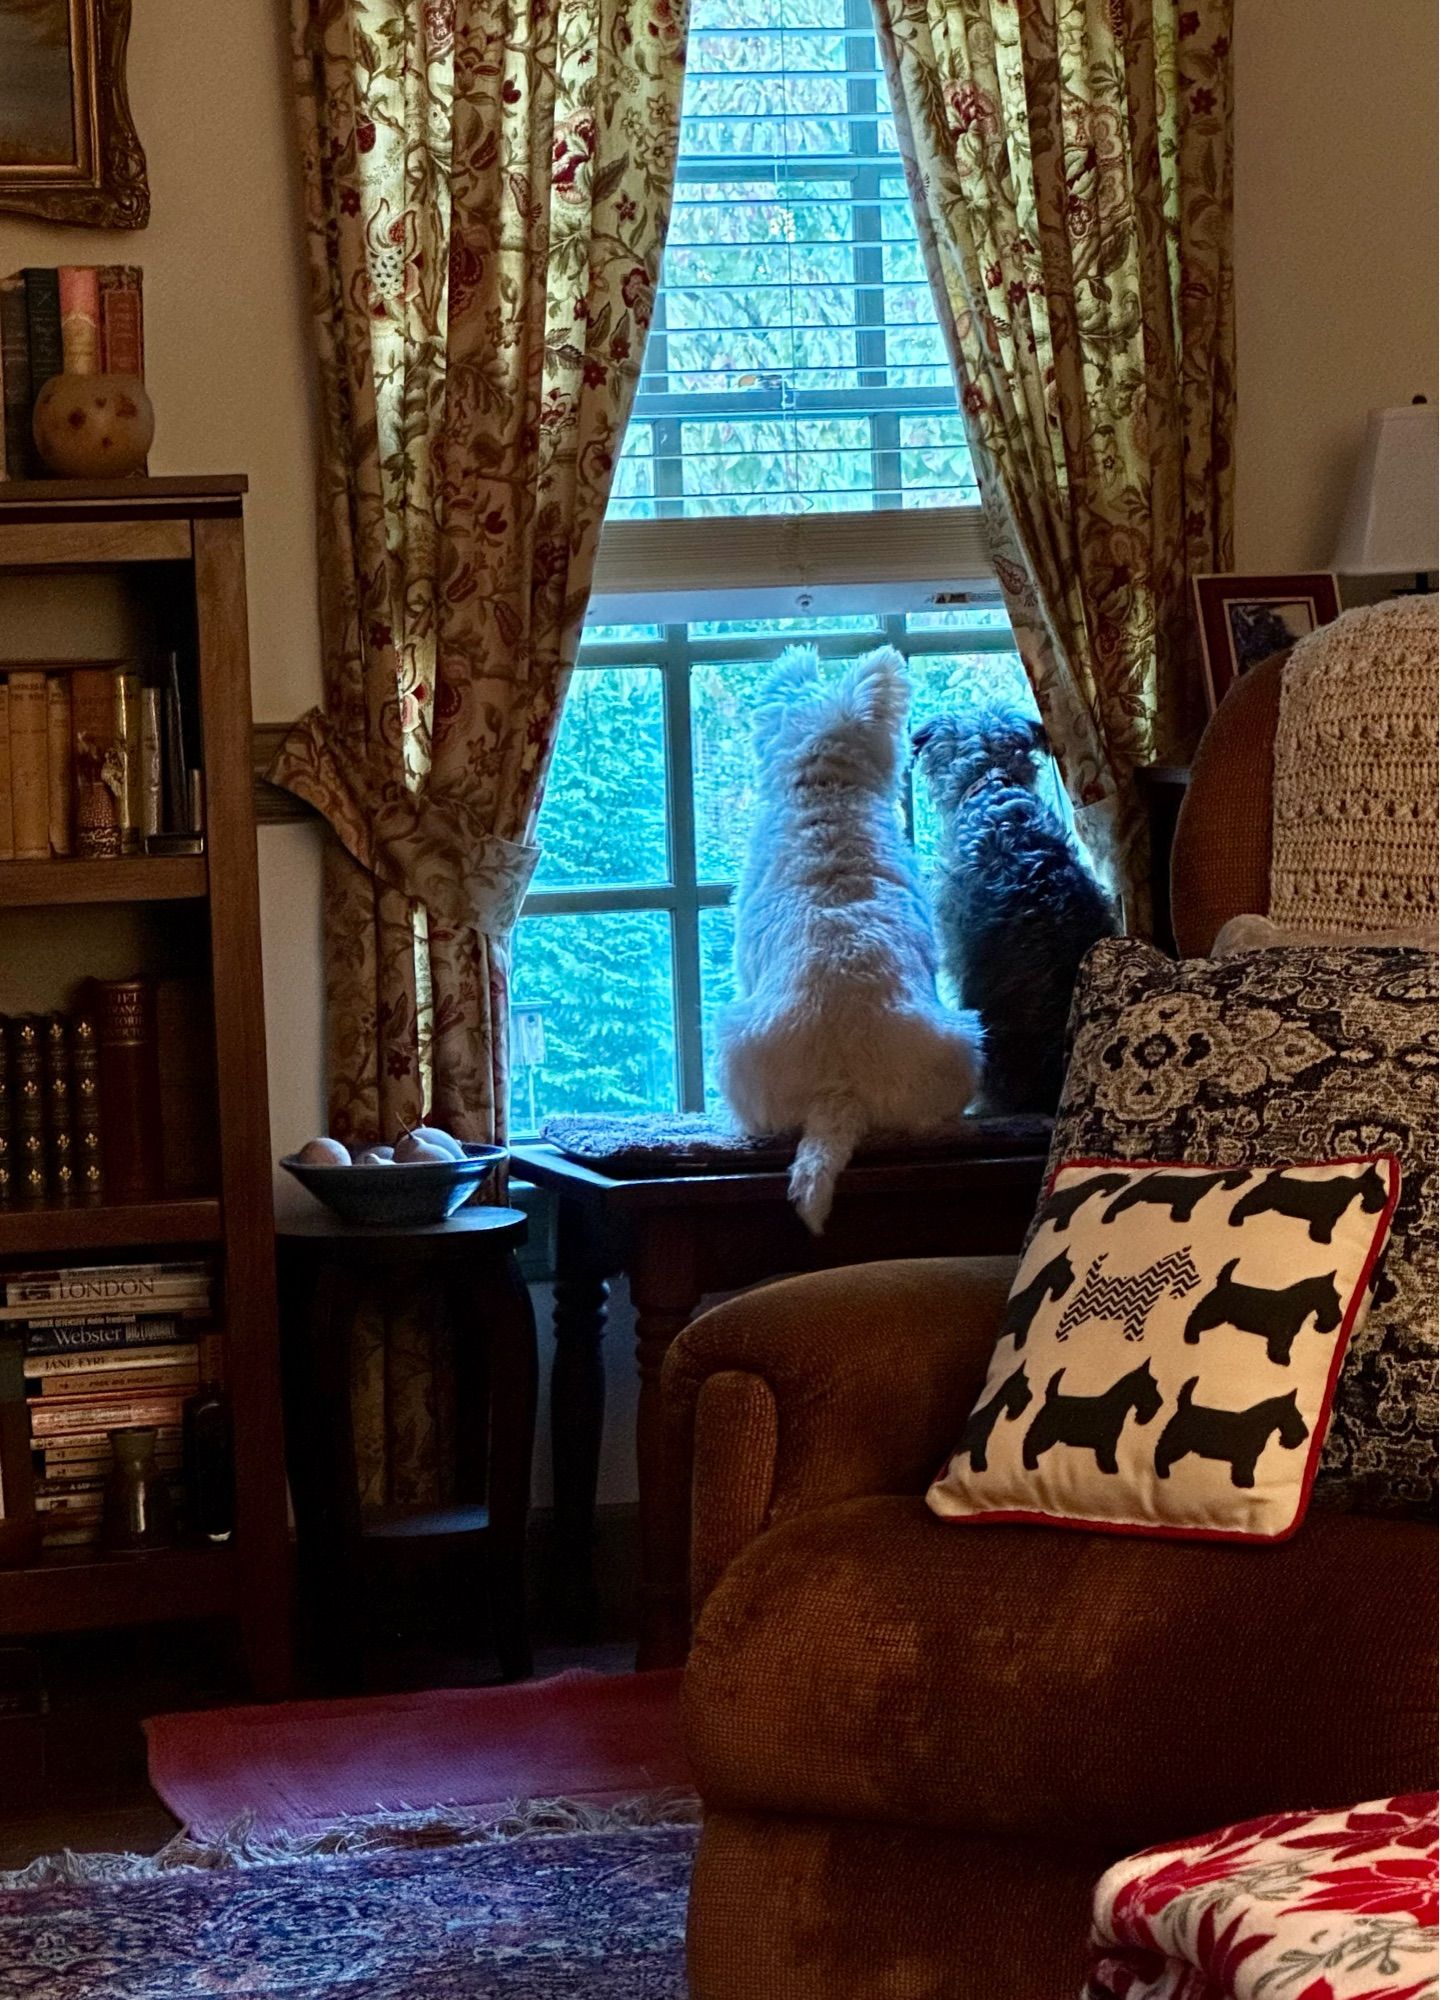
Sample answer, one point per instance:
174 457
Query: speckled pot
93 426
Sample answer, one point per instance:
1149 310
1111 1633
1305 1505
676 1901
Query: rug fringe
434 1826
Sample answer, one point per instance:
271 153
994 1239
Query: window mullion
680 819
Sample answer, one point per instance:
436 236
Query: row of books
106 1348
88 1113
75 319
96 760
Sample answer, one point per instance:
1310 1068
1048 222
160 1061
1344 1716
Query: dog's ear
793 678
1039 741
876 690
923 734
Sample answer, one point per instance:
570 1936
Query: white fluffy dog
838 1032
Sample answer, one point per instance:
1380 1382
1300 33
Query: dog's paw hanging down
837 1032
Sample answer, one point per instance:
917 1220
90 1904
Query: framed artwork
68 147
1244 619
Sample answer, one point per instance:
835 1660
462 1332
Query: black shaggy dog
1016 908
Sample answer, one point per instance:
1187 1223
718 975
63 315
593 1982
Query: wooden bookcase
166 555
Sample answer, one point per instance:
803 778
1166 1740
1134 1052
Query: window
795 469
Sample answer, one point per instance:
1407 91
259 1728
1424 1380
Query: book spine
103 1337
87 1295
21 459
7 1154
71 1457
85 1108
99 770
78 1415
73 1368
42 312
122 327
127 737
7 816
80 318
59 1135
28 1127
29 767
152 787
60 749
118 1382
71 1279
129 1091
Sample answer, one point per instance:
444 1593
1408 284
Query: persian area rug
497 1912
296 1766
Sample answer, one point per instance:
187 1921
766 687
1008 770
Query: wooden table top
926 1173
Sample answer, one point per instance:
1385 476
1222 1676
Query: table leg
513 1382
319 1300
664 1292
577 1416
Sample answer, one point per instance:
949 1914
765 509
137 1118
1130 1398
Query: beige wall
227 365
1335 253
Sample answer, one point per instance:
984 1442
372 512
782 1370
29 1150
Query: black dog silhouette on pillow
1320 1203
1051 1281
1277 1316
1094 1423
1012 1397
1182 1194
1065 1203
1236 1437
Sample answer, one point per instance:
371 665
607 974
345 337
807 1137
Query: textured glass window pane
604 987
784 631
717 985
603 819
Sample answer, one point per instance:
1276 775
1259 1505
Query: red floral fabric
1295 1906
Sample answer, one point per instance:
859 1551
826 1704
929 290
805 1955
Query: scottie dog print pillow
1170 1349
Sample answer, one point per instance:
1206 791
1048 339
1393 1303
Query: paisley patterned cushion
1171 1346
1267 1058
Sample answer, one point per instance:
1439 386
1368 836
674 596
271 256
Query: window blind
795 364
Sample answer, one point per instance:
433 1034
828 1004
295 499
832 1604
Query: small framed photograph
68 147
1244 619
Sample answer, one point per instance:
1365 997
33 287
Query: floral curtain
1070 167
487 187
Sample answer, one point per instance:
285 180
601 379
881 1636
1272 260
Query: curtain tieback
429 845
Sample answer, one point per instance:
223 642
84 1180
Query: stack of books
78 319
97 758
107 1347
50 1110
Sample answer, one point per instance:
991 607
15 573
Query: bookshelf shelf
167 557
137 878
78 1590
44 1232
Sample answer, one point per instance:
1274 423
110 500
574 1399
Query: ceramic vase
93 426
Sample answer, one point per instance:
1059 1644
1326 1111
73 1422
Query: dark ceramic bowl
398 1197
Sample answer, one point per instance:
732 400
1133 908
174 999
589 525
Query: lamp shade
1391 520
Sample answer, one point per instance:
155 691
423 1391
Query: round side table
327 1268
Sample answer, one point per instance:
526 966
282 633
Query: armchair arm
824 1388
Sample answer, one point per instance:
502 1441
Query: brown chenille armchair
918 1750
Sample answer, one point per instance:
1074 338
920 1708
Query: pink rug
298 1765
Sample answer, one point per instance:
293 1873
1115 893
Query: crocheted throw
1354 826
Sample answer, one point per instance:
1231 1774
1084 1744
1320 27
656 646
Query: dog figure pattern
1180 1193
1011 1399
1320 1203
1064 1204
1277 1316
1091 1423
1130 1299
1052 1281
1238 1437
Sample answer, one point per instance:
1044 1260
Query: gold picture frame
69 151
